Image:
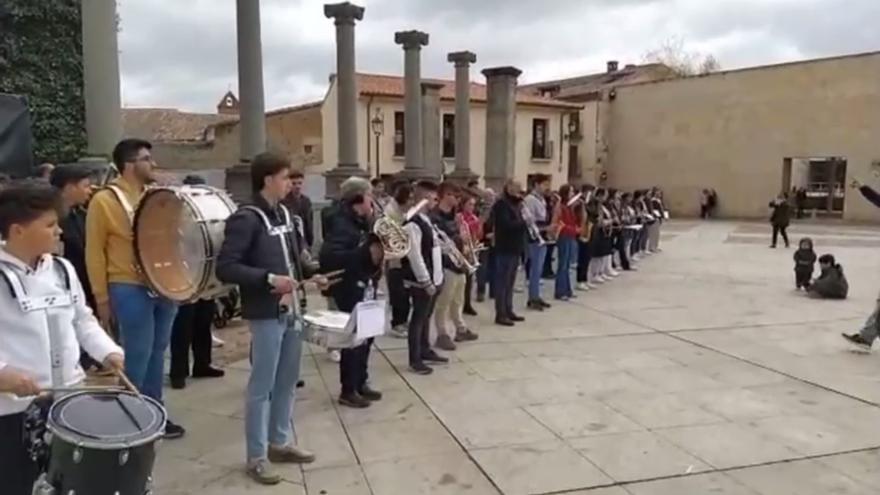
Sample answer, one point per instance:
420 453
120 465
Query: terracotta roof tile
582 86
393 86
169 124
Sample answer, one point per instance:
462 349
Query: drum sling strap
29 304
130 213
288 244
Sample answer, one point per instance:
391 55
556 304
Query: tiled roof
582 87
169 124
393 86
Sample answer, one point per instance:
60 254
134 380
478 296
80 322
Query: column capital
430 87
411 40
502 71
344 13
462 59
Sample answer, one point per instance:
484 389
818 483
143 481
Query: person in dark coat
74 184
832 283
510 232
300 205
804 263
780 218
351 246
868 333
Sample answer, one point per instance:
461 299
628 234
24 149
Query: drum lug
148 488
123 457
77 455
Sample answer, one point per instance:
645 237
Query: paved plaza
703 373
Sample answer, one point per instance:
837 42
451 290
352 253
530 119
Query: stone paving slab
703 372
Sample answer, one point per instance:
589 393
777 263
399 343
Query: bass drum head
176 234
106 420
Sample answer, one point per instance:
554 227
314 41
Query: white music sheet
370 319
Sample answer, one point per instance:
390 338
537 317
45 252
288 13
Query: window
541 147
307 149
449 135
399 134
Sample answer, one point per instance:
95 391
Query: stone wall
731 131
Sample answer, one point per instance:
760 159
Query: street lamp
378 125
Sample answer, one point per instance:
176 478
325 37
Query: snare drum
102 443
178 232
328 329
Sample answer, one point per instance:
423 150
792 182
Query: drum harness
288 244
129 211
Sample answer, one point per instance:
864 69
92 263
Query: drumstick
85 388
125 381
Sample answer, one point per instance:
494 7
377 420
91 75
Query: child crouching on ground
804 263
831 283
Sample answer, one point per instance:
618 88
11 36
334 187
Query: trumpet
534 231
471 248
447 246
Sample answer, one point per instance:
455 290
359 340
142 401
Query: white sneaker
583 287
334 355
215 342
599 279
398 332
591 286
612 273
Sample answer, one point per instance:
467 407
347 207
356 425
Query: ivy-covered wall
41 58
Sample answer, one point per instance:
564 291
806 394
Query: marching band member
38 349
450 300
269 275
423 276
475 227
121 294
351 246
658 208
584 211
509 230
566 223
399 297
535 207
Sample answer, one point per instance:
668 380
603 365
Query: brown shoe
465 336
445 343
290 454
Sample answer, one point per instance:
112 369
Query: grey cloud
185 56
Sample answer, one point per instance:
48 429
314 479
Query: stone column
463 61
431 150
500 124
345 14
412 42
252 124
101 77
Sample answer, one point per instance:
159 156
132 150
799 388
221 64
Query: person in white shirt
44 319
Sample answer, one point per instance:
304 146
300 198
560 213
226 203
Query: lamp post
378 125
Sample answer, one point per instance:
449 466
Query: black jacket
302 207
831 284
249 254
328 214
804 260
347 247
448 224
73 236
781 215
509 226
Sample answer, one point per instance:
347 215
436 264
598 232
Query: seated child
831 283
804 263
41 301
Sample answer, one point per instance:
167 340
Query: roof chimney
612 65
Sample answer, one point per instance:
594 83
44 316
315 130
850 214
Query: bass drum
178 232
103 443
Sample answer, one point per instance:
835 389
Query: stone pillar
431 150
252 124
345 14
101 77
463 60
412 42
500 124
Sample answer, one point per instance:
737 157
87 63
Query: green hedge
41 58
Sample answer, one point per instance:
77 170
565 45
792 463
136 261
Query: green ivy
41 59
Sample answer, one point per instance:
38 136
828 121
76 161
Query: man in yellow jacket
121 294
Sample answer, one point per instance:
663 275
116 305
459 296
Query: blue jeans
537 251
276 348
145 329
566 247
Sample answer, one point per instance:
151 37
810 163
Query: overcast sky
182 53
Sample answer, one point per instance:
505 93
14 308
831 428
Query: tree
673 54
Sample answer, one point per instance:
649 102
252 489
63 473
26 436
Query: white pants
450 303
654 236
